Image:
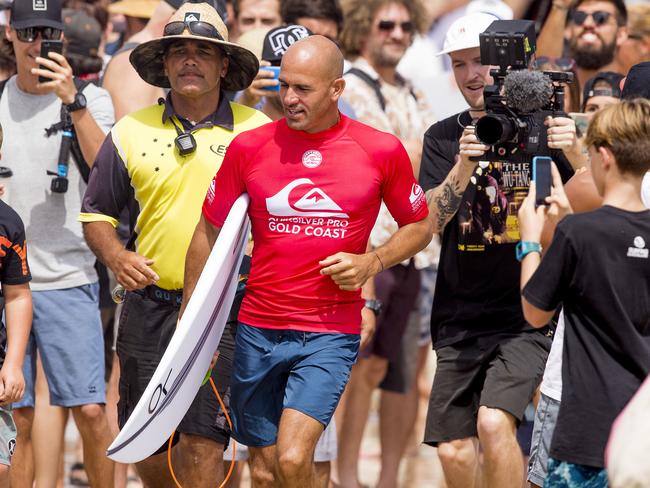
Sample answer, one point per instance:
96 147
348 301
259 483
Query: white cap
464 32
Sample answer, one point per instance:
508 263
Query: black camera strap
65 123
375 84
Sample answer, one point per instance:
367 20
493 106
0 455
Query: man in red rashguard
315 180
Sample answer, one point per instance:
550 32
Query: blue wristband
524 248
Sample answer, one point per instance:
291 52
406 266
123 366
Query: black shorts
497 371
397 288
145 329
401 373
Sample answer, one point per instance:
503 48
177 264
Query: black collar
221 117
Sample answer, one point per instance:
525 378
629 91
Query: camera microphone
527 91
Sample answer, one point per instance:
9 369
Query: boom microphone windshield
527 91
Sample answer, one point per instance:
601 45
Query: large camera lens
495 129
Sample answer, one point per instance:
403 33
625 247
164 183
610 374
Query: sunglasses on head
565 64
599 17
389 25
197 28
29 34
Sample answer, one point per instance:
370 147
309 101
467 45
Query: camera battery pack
508 43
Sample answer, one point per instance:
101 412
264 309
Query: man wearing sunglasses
375 37
67 329
593 31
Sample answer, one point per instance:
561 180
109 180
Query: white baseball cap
464 32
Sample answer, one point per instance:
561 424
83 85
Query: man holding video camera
41 121
489 361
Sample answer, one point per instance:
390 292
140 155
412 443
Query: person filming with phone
54 126
489 360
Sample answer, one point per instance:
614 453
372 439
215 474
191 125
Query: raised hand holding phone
56 72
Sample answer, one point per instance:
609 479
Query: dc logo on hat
39 4
192 17
282 39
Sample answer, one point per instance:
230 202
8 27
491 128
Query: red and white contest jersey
312 195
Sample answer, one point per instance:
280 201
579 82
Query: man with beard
593 31
375 37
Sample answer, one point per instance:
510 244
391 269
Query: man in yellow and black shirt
158 163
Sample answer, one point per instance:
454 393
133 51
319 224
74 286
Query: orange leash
234 447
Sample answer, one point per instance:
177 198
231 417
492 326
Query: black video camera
519 101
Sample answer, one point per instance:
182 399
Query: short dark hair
621 10
7 56
292 10
84 65
93 8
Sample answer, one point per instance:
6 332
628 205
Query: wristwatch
374 305
526 247
78 104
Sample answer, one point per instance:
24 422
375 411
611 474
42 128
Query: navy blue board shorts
277 369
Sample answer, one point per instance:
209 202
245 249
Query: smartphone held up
543 179
48 46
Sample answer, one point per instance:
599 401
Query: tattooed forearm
448 200
444 201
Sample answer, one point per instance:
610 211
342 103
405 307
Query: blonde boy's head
624 129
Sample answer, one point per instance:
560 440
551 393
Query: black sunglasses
388 25
599 17
29 34
565 64
197 28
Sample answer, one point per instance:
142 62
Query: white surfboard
183 366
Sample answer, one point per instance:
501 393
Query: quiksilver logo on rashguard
313 202
303 208
312 159
417 197
639 250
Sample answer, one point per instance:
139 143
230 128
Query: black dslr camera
519 101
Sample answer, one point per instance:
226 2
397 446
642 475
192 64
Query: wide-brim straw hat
142 9
147 58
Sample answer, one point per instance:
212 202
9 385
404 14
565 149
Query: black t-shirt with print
598 267
13 260
477 289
